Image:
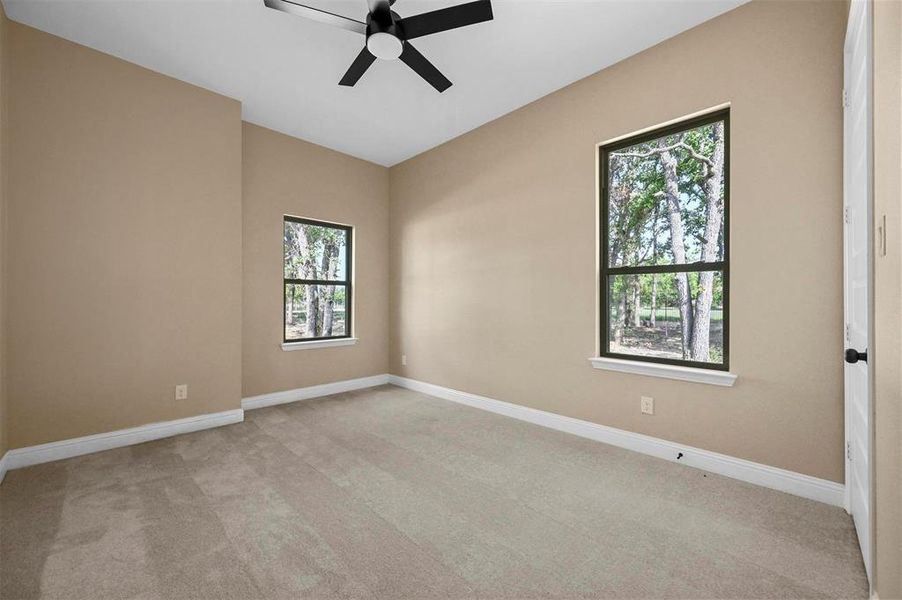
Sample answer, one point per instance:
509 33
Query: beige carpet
386 493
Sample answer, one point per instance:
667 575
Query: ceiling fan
388 35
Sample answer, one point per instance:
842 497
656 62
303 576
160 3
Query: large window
665 244
317 280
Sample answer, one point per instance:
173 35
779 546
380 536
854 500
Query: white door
857 268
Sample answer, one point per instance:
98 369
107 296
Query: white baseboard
314 391
744 470
3 466
34 455
790 482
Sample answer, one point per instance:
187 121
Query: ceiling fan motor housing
382 35
388 35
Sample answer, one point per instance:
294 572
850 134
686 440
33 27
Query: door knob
853 356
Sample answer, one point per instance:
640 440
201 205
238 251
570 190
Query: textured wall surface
493 263
287 176
124 233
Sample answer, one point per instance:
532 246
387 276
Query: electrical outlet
403 360
647 405
181 392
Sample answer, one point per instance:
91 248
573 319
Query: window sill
692 374
290 346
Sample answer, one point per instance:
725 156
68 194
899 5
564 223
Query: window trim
606 271
347 282
675 372
324 343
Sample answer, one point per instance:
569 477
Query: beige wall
485 229
126 224
124 232
888 297
284 175
3 95
493 243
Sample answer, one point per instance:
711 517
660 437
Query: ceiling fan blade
446 18
358 68
425 69
316 14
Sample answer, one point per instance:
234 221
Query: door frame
862 9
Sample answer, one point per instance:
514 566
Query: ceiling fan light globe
384 45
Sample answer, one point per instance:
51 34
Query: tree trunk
653 319
626 301
713 209
631 294
308 267
289 306
328 310
636 300
330 266
617 256
672 197
620 320
702 318
312 311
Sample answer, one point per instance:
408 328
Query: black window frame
346 282
606 271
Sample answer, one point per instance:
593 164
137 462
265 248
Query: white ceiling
285 69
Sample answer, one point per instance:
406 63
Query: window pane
315 252
646 320
666 199
315 311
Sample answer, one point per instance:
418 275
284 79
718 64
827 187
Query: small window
317 280
665 266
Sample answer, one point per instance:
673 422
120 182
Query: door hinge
845 98
845 215
849 450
